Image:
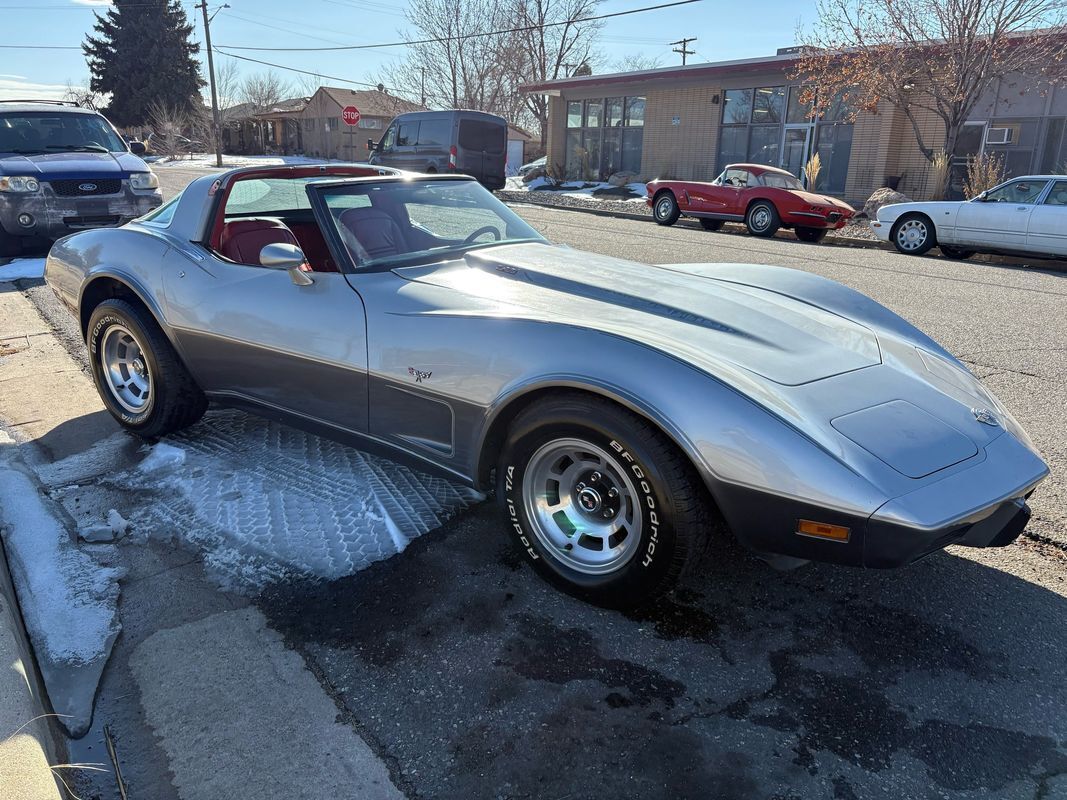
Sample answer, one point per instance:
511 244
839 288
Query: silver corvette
620 408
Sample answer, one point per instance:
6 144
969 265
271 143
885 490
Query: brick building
689 122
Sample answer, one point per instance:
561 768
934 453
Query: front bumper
54 216
982 506
881 229
833 220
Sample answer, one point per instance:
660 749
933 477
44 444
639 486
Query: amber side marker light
820 530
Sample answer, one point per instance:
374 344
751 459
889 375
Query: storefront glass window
594 113
574 115
606 139
1054 156
733 145
834 146
763 144
768 105
737 106
635 111
798 111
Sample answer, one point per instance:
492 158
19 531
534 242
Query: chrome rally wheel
125 369
582 506
665 208
913 235
599 502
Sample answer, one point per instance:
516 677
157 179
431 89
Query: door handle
1022 208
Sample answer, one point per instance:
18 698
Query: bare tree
307 85
228 84
81 94
560 41
456 70
929 56
264 90
636 62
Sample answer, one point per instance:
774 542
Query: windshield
36 132
410 221
780 181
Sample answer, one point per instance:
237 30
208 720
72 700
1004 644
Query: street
451 671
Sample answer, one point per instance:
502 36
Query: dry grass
984 171
939 166
812 170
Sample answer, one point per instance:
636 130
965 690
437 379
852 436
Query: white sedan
1023 215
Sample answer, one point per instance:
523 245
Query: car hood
58 166
821 199
894 210
717 326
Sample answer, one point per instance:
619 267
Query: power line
435 40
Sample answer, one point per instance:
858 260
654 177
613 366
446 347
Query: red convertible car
764 198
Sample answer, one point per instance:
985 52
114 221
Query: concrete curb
24 758
833 241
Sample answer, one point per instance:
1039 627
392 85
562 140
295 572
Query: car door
721 196
1001 217
250 334
1047 233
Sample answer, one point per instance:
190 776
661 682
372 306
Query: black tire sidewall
774 225
105 316
931 235
671 218
650 564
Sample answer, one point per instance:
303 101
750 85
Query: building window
833 143
737 107
798 111
767 107
1016 145
1054 155
752 125
604 136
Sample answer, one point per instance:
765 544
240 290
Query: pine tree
144 55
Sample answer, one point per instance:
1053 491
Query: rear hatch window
482 136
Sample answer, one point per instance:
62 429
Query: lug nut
613 492
594 477
580 486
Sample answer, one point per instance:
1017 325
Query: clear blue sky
725 29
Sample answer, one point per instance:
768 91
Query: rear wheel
599 502
913 234
958 253
762 219
813 235
710 224
140 378
665 208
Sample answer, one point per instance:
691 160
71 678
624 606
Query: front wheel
710 224
665 209
762 219
140 378
913 234
957 253
599 502
813 235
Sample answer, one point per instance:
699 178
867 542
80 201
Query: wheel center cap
589 500
138 367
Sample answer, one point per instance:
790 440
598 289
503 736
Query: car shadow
477 679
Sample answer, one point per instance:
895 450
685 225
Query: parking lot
451 670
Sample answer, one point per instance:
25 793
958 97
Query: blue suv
65 169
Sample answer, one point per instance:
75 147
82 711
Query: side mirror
372 145
288 257
981 198
138 148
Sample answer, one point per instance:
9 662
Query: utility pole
685 51
211 79
422 75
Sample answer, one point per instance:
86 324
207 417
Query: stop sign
350 115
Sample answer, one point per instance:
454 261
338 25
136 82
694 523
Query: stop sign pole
351 116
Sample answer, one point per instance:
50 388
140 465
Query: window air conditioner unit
999 135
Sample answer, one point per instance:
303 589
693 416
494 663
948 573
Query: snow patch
593 191
68 601
22 268
264 502
162 456
207 161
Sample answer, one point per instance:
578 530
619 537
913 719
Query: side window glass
407 134
738 178
1025 192
1058 195
388 139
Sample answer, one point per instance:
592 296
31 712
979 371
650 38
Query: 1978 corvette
620 406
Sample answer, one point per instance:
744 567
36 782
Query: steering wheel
483 230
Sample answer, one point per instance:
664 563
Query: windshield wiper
79 148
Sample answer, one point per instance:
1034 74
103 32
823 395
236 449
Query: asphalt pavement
468 677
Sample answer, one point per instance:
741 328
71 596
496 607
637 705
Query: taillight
452 158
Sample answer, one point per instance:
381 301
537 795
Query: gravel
858 229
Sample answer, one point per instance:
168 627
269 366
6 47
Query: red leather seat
243 239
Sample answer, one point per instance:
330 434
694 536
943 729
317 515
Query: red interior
313 243
241 240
